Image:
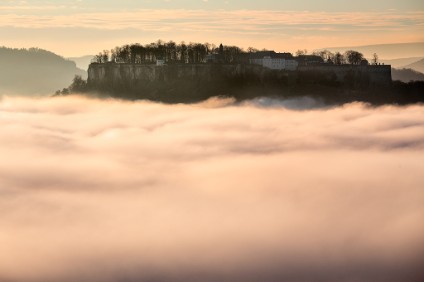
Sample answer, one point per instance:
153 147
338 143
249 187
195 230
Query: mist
266 190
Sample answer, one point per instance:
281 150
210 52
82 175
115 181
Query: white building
291 65
160 62
276 63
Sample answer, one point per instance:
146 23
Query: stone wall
175 83
116 74
196 82
129 74
375 74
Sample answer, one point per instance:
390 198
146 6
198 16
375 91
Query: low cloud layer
94 190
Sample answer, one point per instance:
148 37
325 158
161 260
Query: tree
338 59
171 51
301 52
97 58
183 52
364 62
78 84
326 56
105 56
192 53
375 59
354 57
252 50
209 48
113 56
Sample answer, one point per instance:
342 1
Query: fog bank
104 190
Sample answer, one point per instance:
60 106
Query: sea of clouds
265 190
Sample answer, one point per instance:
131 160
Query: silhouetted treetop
354 57
193 53
170 51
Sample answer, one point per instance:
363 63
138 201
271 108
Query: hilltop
406 75
34 71
82 62
185 73
418 66
401 62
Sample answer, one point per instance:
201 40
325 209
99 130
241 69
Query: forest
34 71
193 53
170 51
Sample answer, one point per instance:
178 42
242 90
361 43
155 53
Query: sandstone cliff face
112 74
377 75
173 83
196 82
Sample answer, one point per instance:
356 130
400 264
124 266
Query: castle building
273 60
160 62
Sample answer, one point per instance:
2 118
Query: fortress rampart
117 74
374 74
129 74
195 82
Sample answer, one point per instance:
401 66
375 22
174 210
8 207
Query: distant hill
407 75
418 66
401 62
387 51
82 62
34 71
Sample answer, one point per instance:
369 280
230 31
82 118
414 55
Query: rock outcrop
195 82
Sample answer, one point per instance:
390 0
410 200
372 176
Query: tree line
349 57
193 53
170 51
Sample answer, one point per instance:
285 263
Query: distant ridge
407 75
400 62
82 62
34 71
386 51
418 66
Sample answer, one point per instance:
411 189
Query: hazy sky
79 27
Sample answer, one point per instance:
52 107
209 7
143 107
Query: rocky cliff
179 82
359 74
196 82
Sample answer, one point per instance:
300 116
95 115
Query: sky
266 190
84 27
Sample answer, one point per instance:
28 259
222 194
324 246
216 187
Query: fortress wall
112 74
377 74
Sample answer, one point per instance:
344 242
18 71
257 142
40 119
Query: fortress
185 73
180 72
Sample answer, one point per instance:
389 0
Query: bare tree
170 51
105 56
97 58
339 59
326 56
301 52
183 52
78 84
375 59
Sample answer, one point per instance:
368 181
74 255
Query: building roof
309 59
271 54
